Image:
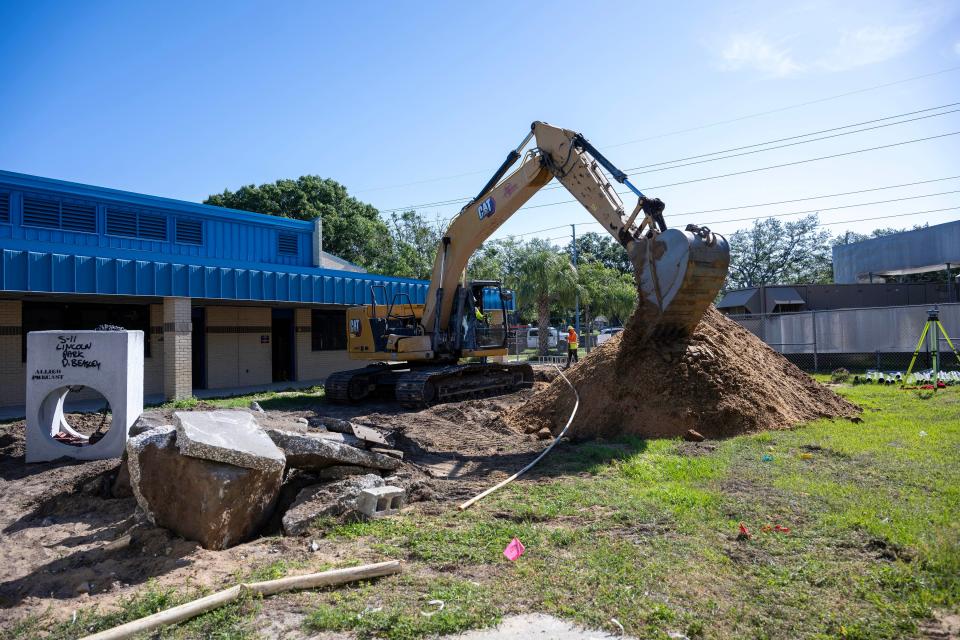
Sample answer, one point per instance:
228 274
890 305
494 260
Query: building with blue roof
226 299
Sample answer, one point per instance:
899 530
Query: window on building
189 231
49 316
54 213
328 330
287 244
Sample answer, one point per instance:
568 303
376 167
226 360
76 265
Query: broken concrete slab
393 453
332 424
215 503
232 437
373 436
379 502
148 420
341 471
344 438
326 500
309 451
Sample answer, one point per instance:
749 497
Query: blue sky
411 103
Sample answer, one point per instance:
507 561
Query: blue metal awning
41 272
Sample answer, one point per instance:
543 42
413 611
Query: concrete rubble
333 499
218 477
308 451
215 502
233 437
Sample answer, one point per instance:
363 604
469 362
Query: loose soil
69 544
722 382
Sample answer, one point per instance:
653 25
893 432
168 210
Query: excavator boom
678 272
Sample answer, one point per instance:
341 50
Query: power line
783 146
846 206
796 162
557 186
766 168
781 215
829 195
781 109
703 126
829 224
895 215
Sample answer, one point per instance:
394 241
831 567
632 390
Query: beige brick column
12 373
177 349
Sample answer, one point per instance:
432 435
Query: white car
533 338
608 333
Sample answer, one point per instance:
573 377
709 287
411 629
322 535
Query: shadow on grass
588 456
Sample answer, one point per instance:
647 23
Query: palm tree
545 277
605 291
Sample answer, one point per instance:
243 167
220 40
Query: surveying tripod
931 327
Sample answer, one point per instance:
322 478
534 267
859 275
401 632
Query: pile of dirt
724 382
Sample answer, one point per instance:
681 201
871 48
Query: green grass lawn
645 532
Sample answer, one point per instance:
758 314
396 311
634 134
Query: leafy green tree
352 230
776 252
602 248
546 276
605 291
414 245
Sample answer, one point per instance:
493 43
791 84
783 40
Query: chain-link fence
882 338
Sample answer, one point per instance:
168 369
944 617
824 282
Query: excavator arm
678 273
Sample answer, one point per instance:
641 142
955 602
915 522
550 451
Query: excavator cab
481 317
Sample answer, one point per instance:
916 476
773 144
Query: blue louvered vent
40 212
152 227
136 224
78 216
189 231
4 206
287 244
121 223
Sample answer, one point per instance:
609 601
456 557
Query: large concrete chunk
326 500
306 451
233 437
215 503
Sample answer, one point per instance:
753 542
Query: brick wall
235 355
177 349
12 370
317 365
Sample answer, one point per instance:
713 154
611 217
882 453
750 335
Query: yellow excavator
417 349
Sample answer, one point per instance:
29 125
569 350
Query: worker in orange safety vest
572 346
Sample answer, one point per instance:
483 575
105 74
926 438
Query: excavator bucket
678 275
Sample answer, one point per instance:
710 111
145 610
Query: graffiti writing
73 353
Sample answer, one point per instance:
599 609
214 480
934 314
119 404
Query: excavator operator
572 346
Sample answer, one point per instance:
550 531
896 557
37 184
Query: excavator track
425 386
353 385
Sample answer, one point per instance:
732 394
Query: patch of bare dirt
724 381
68 544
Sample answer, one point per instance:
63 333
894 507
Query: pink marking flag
514 550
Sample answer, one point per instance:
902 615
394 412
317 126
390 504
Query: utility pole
576 317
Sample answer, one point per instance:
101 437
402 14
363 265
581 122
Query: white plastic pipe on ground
576 405
268 588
